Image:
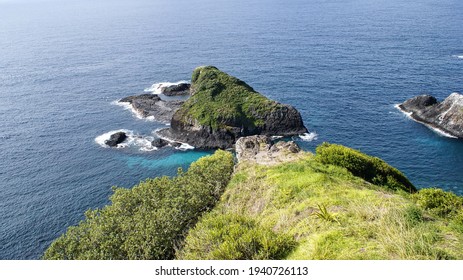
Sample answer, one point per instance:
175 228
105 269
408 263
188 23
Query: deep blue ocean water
343 63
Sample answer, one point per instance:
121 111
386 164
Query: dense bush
150 220
234 237
439 202
371 169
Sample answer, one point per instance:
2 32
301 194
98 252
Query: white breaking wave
157 88
308 137
185 147
127 106
459 56
435 129
440 132
408 114
143 143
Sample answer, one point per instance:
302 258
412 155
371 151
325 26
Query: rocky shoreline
446 117
150 105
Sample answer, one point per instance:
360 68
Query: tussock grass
332 214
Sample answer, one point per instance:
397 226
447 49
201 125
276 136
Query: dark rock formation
260 149
224 108
175 144
159 143
174 90
116 139
446 116
151 105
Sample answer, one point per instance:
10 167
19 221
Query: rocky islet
445 116
220 110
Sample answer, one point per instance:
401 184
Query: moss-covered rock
223 108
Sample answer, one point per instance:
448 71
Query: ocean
343 64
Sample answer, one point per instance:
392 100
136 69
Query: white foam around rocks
157 88
308 137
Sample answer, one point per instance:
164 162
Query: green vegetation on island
337 204
219 98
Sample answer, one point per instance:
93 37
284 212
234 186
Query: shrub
150 220
234 237
439 202
371 169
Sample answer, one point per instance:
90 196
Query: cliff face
446 116
223 108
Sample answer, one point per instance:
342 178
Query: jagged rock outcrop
261 149
116 139
151 105
446 116
177 89
223 108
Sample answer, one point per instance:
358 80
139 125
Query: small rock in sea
116 139
445 117
159 143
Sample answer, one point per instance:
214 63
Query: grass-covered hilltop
223 108
277 202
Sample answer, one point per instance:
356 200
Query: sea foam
308 137
142 143
127 106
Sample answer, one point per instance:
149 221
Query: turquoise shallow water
343 64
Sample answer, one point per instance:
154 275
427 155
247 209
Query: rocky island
445 116
222 109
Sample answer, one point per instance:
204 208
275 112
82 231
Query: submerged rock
116 139
151 105
446 116
223 108
261 149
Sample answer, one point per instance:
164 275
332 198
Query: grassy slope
361 221
220 98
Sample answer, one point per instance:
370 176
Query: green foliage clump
324 214
222 101
234 237
371 169
439 202
150 220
